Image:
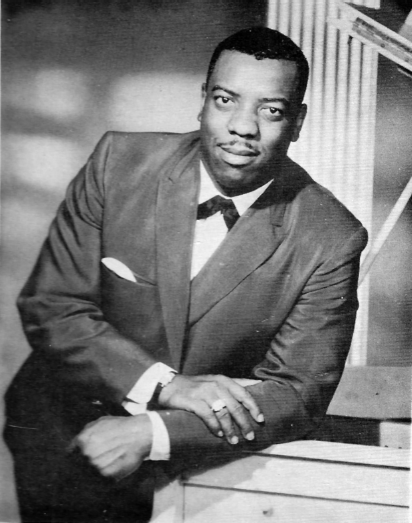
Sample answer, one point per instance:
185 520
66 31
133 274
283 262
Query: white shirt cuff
134 408
145 386
161 441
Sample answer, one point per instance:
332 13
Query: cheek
213 121
275 138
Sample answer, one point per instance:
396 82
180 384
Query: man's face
248 119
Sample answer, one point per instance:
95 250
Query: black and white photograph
206 259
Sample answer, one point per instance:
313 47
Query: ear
299 122
204 92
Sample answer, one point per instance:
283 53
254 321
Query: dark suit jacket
276 302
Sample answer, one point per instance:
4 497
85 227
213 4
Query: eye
273 113
223 101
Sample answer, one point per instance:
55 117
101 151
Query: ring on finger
218 405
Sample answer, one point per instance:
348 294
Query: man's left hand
116 446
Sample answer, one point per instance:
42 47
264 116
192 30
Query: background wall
73 69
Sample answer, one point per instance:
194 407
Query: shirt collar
242 202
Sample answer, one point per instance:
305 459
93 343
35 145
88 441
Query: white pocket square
119 268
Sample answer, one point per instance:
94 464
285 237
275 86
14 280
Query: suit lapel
254 238
175 221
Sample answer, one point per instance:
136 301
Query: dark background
74 69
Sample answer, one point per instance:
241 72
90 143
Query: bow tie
216 204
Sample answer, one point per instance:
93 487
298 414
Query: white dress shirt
209 234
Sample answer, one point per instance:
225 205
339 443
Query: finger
80 441
226 423
93 445
243 396
215 392
90 436
241 417
203 410
237 414
100 445
121 467
107 458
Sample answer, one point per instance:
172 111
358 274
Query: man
152 297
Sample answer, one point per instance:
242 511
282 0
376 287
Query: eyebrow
266 100
281 100
219 88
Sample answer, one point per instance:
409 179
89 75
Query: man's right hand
197 394
116 445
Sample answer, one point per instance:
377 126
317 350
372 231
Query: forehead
244 74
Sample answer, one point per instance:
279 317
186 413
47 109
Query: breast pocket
133 308
121 271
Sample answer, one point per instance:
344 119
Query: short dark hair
262 42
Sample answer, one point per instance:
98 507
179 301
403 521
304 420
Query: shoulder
317 216
138 146
125 159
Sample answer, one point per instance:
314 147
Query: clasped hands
200 394
117 445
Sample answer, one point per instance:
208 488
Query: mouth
237 154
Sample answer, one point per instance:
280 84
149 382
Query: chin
233 187
232 182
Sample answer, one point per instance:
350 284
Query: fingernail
220 433
260 418
250 436
234 440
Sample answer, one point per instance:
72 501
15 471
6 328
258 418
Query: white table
298 482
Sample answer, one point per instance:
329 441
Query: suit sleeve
60 305
302 367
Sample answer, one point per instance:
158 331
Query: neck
237 191
231 192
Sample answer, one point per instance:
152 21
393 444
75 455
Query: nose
243 122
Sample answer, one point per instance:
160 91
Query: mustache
236 144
